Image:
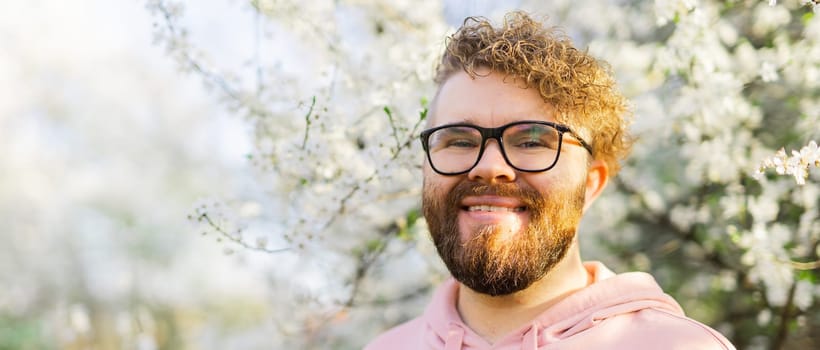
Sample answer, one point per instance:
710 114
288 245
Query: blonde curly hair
580 88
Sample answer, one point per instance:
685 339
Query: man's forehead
489 98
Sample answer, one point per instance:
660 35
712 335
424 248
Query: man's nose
492 167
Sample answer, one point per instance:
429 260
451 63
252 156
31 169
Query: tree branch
235 238
785 316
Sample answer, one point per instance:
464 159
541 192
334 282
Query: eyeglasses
529 146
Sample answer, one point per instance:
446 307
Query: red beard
488 264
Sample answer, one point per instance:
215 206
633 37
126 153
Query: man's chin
501 227
499 288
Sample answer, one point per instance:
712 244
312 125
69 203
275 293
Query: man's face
499 230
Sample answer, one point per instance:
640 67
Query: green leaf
423 114
807 275
412 216
807 17
374 245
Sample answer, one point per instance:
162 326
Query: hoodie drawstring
455 337
530 339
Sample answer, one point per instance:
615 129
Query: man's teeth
493 208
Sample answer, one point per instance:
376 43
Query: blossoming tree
336 93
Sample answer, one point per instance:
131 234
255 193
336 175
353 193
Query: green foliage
22 334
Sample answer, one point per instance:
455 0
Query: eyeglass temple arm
580 140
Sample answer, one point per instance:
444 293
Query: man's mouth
492 208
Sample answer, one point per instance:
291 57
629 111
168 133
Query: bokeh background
229 174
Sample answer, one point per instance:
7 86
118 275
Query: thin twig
257 39
393 126
237 240
214 78
797 265
356 188
412 136
365 263
307 122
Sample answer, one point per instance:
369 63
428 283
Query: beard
489 262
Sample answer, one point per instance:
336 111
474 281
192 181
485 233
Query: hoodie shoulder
655 329
626 311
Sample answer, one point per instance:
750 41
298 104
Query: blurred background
104 150
230 174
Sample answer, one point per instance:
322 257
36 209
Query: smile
492 208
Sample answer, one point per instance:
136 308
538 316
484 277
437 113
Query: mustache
527 195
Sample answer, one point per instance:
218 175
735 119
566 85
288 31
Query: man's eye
461 143
531 144
533 138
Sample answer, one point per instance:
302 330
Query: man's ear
597 178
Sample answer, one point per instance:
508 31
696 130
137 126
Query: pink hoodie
625 311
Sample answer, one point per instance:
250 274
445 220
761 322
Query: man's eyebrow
460 130
466 120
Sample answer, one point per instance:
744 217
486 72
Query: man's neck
494 317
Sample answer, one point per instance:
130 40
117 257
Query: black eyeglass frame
495 133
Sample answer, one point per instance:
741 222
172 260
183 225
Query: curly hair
580 88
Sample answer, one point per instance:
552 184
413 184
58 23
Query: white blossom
768 72
797 164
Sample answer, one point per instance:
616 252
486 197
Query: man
524 133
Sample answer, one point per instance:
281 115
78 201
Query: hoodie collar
607 296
